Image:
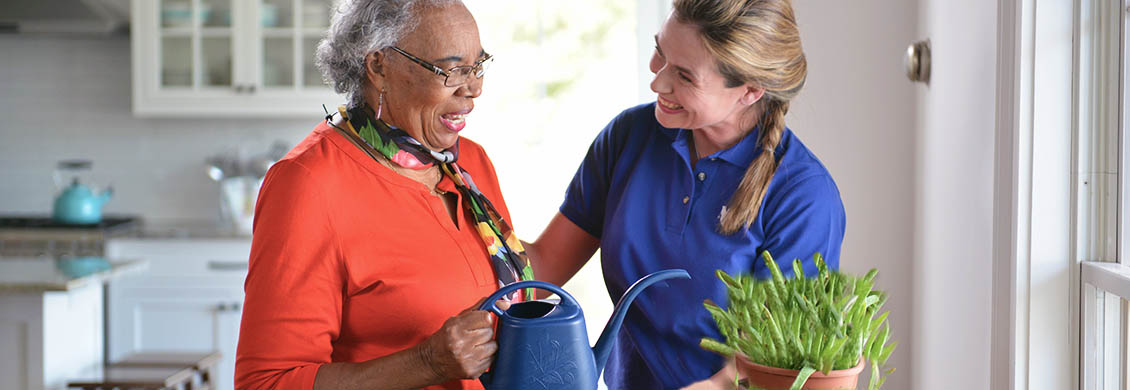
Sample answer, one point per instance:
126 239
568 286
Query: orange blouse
351 261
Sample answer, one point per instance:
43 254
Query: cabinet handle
226 307
222 265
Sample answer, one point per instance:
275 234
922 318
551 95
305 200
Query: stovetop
40 222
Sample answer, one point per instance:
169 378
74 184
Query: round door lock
918 61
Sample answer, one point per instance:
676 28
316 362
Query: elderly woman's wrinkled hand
464 347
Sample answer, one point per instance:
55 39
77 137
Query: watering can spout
604 344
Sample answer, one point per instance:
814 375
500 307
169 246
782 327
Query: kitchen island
51 319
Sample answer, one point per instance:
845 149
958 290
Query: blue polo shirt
637 193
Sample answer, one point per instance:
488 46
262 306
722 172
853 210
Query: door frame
1013 61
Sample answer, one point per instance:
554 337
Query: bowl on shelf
180 14
269 15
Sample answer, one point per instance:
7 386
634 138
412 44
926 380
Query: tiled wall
69 97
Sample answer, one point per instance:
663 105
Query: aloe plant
824 323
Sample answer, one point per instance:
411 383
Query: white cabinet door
147 319
287 34
188 299
228 318
228 58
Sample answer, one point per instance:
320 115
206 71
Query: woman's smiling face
692 94
416 99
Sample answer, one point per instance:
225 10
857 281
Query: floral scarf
507 256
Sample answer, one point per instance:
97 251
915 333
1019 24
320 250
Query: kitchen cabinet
228 58
51 321
188 300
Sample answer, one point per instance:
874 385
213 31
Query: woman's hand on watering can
464 347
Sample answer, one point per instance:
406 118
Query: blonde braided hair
754 42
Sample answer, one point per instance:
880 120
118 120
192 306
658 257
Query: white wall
69 97
857 113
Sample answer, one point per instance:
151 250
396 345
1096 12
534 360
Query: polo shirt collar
741 154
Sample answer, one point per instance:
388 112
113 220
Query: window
562 71
1102 237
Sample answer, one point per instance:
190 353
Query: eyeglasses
456 76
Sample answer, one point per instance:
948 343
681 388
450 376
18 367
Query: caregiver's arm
560 251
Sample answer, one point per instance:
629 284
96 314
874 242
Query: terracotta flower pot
772 378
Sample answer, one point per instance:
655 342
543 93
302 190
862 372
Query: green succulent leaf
716 346
802 377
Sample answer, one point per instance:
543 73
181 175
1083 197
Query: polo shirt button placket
702 176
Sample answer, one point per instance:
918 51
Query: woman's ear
374 67
752 95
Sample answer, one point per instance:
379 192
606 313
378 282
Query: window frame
1099 278
1102 126
1124 120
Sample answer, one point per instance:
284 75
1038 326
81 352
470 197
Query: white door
952 282
857 114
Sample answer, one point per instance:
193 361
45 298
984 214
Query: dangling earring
380 103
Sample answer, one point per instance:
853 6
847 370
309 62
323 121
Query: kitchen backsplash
69 97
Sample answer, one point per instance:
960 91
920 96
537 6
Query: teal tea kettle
77 204
545 346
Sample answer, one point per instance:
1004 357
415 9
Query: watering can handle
488 304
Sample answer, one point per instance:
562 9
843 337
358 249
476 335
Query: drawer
185 258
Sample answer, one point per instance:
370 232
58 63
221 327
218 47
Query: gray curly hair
360 27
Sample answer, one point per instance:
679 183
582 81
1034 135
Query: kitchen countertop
43 274
188 229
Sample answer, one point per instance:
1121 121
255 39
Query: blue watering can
545 346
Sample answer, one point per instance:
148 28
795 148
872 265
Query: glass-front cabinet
251 58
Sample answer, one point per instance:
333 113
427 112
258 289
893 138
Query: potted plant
803 333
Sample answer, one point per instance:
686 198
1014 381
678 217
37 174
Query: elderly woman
706 177
372 242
